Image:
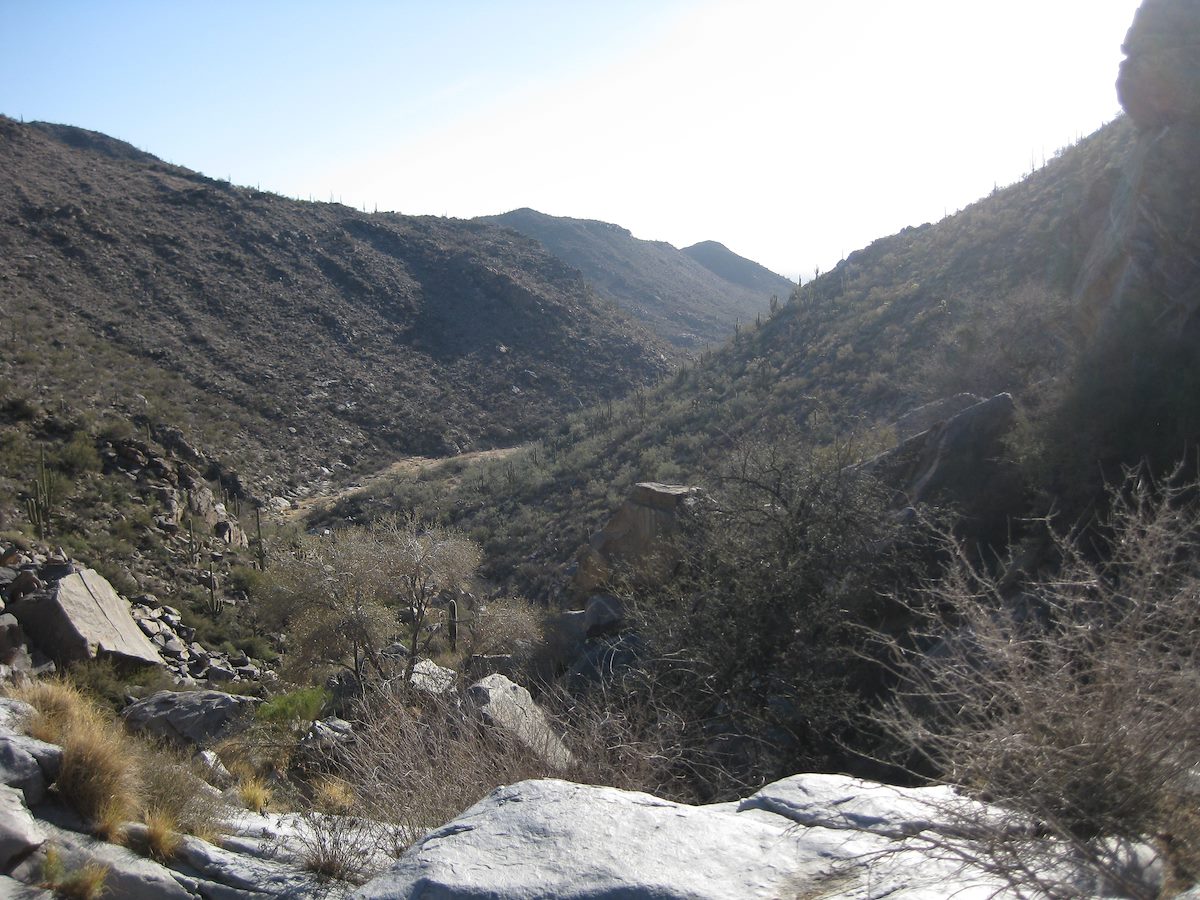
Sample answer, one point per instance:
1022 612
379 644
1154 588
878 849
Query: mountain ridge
679 297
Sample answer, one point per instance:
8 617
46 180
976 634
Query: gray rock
543 839
11 889
150 627
509 707
191 717
428 676
14 715
924 417
130 877
28 765
554 839
12 639
604 615
81 617
19 831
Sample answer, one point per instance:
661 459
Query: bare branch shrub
1073 699
344 595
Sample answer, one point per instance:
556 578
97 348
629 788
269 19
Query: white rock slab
19 831
509 707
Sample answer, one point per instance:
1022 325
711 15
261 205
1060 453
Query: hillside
688 297
285 336
978 302
726 264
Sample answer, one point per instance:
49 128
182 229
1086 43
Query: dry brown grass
110 776
333 795
254 793
85 883
100 776
162 833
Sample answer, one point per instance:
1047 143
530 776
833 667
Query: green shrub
300 705
78 455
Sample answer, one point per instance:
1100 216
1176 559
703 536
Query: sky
792 131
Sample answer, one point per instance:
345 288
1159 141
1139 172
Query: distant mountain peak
723 262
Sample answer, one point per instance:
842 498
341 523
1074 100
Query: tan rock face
636 539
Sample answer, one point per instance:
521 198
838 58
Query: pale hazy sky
793 132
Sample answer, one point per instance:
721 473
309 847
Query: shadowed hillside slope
287 335
687 298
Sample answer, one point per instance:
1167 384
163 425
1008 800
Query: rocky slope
319 333
688 297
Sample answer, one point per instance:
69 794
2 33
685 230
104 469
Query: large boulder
962 462
555 839
1159 82
81 617
636 541
190 717
507 706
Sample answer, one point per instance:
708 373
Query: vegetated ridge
689 297
283 335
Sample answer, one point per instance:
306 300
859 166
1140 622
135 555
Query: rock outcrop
961 462
1148 252
806 836
636 540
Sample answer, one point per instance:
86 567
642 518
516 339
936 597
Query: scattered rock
20 833
428 676
28 765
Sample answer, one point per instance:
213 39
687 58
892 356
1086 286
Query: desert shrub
502 625
342 596
754 637
78 455
1069 698
108 684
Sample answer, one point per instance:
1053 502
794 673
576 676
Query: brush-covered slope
689 299
311 332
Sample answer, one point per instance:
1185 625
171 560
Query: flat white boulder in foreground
810 835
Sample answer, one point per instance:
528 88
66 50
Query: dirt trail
410 466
